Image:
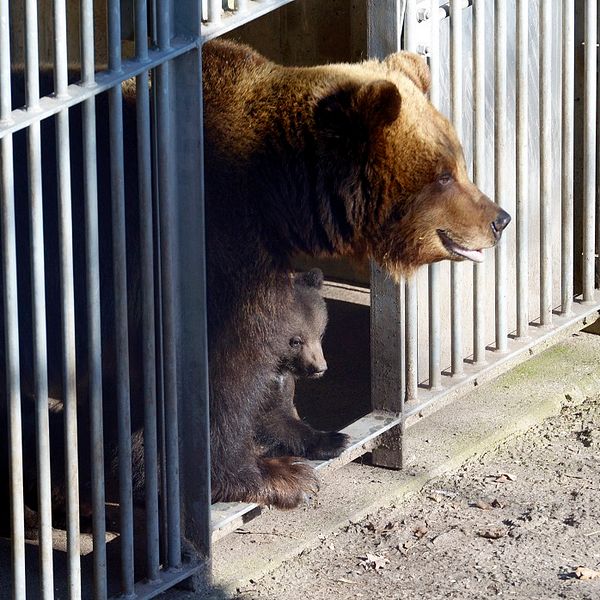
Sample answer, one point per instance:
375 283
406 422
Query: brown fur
340 160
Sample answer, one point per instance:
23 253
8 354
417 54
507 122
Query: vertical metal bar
568 118
410 286
215 8
522 168
115 97
67 301
93 303
13 392
500 167
38 300
589 149
410 21
11 319
433 274
148 321
168 283
479 164
241 5
192 332
546 167
456 39
411 339
388 381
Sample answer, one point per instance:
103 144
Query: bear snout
318 366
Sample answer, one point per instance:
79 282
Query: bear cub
280 430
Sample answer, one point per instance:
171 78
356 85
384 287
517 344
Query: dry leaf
504 477
344 580
497 504
483 505
373 561
420 530
492 533
586 574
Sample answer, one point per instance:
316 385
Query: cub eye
445 179
295 342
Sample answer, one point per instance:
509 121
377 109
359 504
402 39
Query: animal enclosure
518 79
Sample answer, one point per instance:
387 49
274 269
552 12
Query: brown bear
346 160
279 430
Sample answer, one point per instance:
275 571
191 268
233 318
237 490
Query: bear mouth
456 250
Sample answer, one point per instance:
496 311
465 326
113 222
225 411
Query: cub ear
312 278
359 108
414 66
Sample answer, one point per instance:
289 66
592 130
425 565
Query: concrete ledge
471 426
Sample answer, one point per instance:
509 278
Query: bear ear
414 66
312 278
357 107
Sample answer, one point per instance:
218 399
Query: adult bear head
341 159
393 174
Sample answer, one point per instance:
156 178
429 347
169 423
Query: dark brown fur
280 431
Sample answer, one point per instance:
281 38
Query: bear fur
344 160
280 430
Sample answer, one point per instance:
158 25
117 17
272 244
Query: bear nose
319 369
500 223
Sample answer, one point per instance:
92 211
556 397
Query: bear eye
295 342
445 179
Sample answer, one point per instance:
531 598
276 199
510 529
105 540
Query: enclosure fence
517 78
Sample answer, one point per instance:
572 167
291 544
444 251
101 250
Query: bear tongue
474 255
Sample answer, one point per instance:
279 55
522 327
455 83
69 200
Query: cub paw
327 445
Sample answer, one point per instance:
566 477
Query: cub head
303 356
403 195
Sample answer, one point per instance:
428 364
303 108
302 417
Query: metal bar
168 283
192 332
76 93
67 303
410 21
86 26
411 339
11 319
115 96
94 347
568 118
410 285
456 39
93 302
218 24
522 168
13 391
589 149
479 166
147 291
546 166
241 5
500 182
38 299
215 9
433 274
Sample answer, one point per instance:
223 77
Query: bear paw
288 481
327 445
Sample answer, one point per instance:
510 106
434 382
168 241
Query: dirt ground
515 523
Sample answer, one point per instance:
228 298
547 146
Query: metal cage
517 115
